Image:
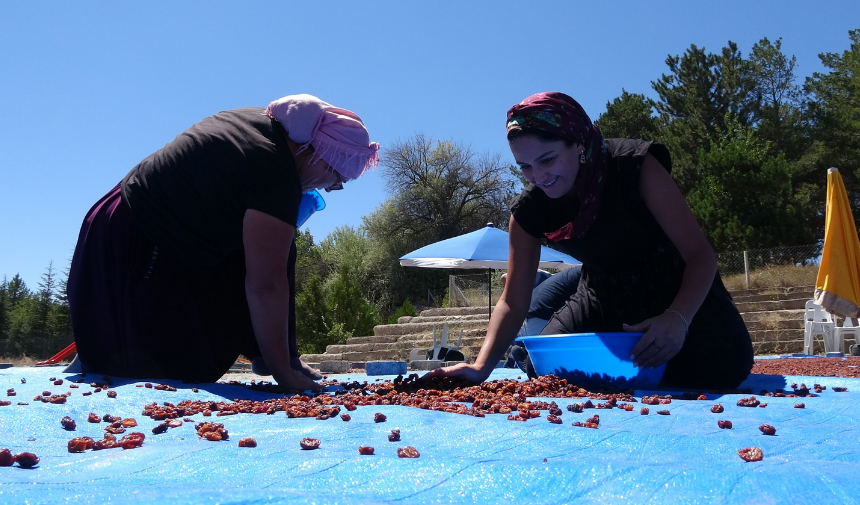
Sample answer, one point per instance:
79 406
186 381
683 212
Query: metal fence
472 289
736 262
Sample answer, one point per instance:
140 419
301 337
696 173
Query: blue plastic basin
588 358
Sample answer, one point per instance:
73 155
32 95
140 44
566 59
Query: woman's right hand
471 373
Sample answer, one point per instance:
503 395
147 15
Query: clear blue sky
89 88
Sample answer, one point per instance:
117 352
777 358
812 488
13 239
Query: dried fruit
129 423
365 450
664 412
717 409
407 452
309 444
111 393
839 389
110 419
58 382
724 425
26 460
748 402
6 457
68 423
159 429
345 417
379 418
584 425
553 419
576 407
593 419
132 440
220 433
394 436
800 405
767 429
644 411
750 454
80 444
247 442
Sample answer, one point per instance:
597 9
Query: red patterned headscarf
562 116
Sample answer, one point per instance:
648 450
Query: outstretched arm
510 311
665 333
267 246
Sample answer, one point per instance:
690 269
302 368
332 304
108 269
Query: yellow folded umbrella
837 288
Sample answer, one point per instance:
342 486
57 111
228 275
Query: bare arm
510 311
665 333
267 247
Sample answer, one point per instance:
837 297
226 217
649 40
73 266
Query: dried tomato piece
717 409
345 417
110 419
104 444
68 423
394 436
212 436
111 393
407 452
664 412
702 397
26 460
763 405
767 429
379 418
6 457
593 419
93 418
724 425
800 405
750 454
748 402
159 429
644 411
576 407
553 419
80 444
365 450
132 440
58 382
247 442
129 423
309 444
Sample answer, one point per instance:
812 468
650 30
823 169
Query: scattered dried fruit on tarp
68 423
717 409
365 450
309 444
767 429
750 454
407 452
247 442
26 460
379 418
724 425
6 457
394 435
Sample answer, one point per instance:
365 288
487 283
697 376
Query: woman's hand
471 373
663 338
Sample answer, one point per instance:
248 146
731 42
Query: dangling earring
582 158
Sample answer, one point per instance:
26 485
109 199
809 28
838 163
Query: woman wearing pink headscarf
189 261
647 266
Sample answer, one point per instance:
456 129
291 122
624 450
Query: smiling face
549 165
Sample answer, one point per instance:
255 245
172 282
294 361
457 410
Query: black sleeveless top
631 270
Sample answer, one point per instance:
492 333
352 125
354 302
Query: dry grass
18 361
774 277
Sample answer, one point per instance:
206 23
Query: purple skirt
136 312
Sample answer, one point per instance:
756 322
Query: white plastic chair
817 321
850 326
435 352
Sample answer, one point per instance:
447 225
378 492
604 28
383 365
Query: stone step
806 295
371 340
407 345
316 358
771 306
775 324
455 311
404 329
440 320
775 315
399 355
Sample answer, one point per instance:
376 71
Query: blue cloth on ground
680 458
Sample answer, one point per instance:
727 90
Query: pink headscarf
337 135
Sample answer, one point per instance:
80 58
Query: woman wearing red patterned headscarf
189 261
647 266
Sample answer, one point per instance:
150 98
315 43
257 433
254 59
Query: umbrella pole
489 292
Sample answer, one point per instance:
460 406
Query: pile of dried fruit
817 367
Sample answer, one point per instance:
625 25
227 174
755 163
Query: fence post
747 268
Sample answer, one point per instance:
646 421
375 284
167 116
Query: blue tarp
680 458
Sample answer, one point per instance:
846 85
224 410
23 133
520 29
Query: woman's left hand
663 338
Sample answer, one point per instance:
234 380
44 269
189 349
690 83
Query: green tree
43 301
628 116
745 199
699 92
835 111
348 306
312 316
